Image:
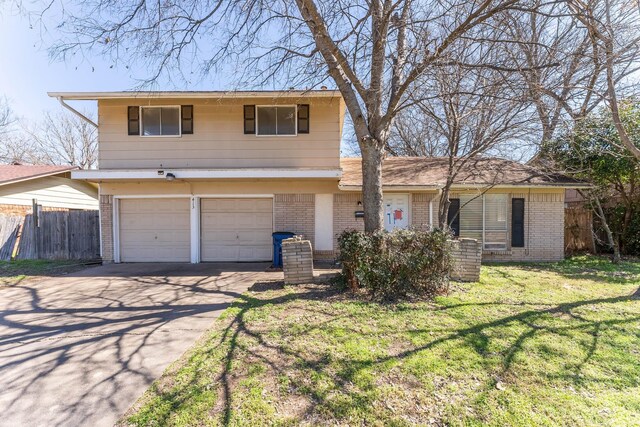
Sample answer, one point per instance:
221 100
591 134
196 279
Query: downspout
76 112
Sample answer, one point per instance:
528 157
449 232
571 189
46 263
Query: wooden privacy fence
578 235
56 235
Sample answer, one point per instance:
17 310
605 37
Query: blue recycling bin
278 237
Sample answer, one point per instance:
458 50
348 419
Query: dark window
280 120
160 121
134 120
303 118
453 216
187 119
517 223
250 119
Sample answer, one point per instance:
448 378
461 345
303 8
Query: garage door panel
154 230
236 229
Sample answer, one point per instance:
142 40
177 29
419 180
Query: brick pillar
106 227
467 255
297 260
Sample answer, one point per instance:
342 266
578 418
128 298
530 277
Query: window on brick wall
484 217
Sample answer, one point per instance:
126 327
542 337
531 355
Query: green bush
398 264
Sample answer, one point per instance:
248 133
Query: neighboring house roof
322 93
431 172
10 174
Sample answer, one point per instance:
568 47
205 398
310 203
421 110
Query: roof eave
93 96
42 175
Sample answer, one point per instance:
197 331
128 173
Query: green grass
545 345
16 272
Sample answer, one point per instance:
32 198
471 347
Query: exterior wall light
170 177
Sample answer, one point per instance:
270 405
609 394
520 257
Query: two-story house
208 176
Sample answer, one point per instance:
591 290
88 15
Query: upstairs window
280 120
160 121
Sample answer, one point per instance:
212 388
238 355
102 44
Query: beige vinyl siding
218 139
51 191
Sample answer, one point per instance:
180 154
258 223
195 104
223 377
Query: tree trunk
443 209
612 243
372 157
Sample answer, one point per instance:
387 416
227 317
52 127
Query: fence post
35 224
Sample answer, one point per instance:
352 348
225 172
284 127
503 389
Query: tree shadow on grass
281 357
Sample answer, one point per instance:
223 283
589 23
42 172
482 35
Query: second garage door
236 229
154 230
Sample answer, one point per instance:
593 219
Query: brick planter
297 260
467 255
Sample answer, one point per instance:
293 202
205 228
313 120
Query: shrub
398 264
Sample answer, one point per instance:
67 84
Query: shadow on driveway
80 349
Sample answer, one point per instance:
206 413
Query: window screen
276 120
161 121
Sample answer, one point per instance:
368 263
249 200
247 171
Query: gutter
76 112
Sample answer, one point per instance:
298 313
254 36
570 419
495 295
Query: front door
396 211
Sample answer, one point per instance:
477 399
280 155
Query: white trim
116 229
295 120
235 196
160 107
195 230
100 221
273 94
159 174
431 213
152 196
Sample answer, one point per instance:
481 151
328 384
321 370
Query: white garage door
236 229
154 230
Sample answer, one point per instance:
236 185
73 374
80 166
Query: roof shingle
432 172
12 173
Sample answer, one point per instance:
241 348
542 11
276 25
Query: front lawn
547 344
19 271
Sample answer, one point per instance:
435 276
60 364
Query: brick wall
295 213
543 230
344 207
467 256
18 210
22 210
106 227
297 260
420 210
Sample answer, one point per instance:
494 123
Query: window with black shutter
453 216
134 120
303 118
250 119
517 223
187 119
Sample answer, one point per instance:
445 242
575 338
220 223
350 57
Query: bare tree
374 51
64 139
462 113
614 28
6 119
556 33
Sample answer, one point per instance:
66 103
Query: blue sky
28 73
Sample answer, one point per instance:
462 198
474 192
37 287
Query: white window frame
295 120
484 227
179 135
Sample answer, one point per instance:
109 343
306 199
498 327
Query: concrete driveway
80 349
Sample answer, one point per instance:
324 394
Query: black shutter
517 223
453 216
133 114
250 119
187 119
303 118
